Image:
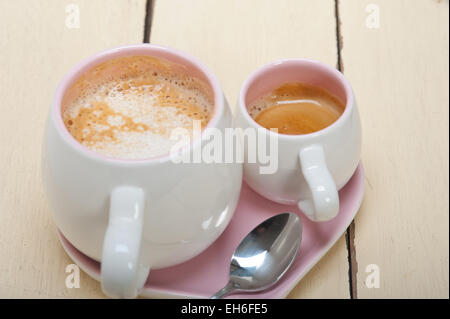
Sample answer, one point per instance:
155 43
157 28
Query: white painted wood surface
399 72
36 50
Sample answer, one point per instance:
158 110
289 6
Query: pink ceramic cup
311 167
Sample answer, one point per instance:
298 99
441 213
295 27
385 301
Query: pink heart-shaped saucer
203 275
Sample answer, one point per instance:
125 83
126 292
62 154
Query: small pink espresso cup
311 167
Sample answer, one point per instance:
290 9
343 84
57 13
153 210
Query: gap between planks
350 233
148 20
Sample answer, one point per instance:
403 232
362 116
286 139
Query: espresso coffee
127 107
296 108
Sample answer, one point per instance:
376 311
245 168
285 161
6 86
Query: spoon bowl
264 255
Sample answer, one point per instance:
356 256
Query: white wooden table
394 52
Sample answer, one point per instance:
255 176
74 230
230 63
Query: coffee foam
127 107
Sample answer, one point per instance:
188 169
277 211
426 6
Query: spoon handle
224 291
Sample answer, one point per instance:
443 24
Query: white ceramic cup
311 167
137 215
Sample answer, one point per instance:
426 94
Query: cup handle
122 276
324 204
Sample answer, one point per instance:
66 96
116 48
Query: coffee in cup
127 107
319 134
296 108
113 195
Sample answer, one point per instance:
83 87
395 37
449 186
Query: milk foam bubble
127 107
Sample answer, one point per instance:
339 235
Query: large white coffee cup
311 167
137 215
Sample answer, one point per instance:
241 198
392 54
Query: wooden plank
399 71
235 37
38 49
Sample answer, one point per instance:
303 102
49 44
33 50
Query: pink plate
203 275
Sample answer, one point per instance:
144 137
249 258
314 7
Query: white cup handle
324 204
122 276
